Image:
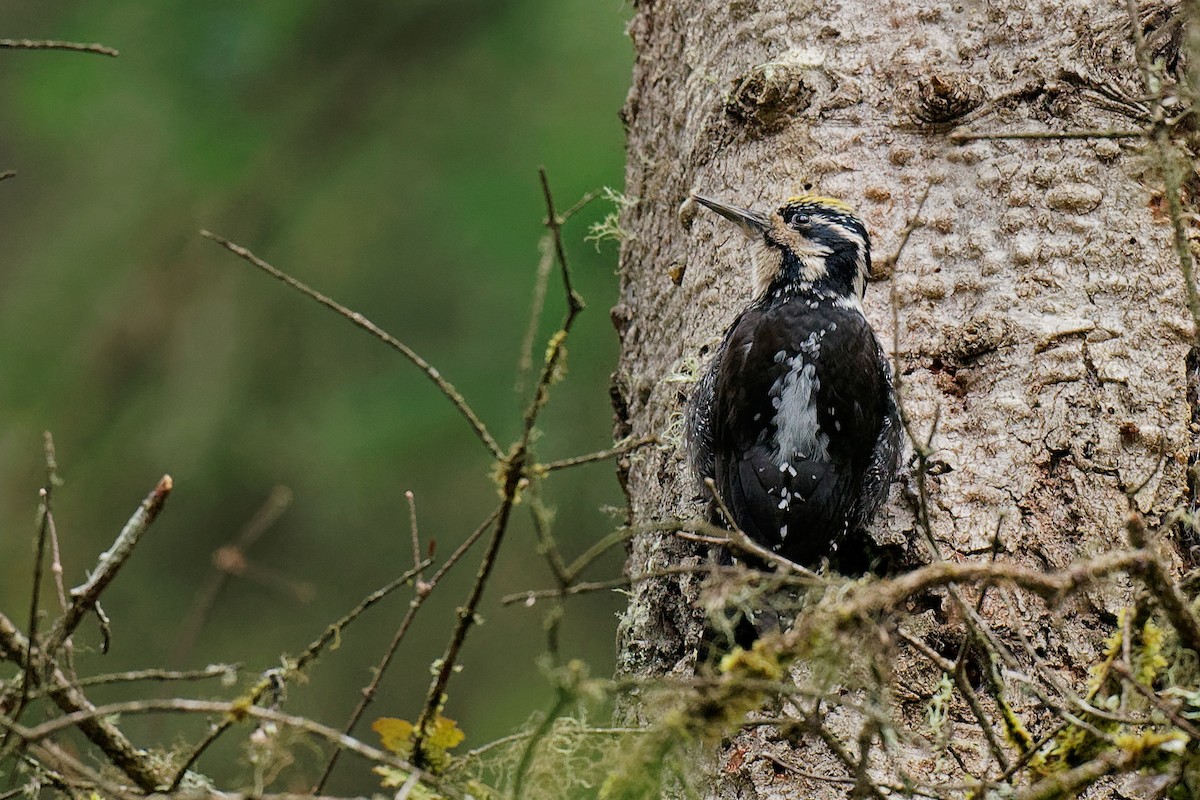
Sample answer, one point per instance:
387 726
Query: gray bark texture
1042 320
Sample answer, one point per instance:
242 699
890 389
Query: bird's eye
799 221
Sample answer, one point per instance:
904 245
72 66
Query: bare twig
223 671
545 264
206 597
848 761
737 539
298 665
45 520
547 546
956 672
512 482
56 567
333 632
531 596
554 223
101 731
50 753
911 225
504 741
8 173
598 549
83 598
367 695
1069 782
415 534
1053 587
547 250
237 711
466 613
444 386
619 449
50 44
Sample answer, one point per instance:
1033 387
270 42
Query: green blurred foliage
385 153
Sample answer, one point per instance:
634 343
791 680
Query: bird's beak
752 223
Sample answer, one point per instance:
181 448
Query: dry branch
444 386
83 598
51 44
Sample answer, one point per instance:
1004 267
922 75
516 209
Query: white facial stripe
848 233
768 262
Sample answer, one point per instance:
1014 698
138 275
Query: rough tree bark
1042 316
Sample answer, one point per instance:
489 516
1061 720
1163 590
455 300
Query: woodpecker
795 419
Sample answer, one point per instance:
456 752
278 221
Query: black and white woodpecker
795 419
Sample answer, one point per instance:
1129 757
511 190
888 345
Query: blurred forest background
386 153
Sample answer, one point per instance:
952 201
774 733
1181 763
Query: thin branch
101 731
619 449
444 386
842 755
911 225
530 596
50 753
237 711
8 173
367 695
333 632
56 568
50 44
955 670
580 204
733 538
546 545
504 741
598 549
1069 782
83 598
413 531
513 480
554 223
224 671
264 519
45 519
466 613
545 264
1053 587
298 665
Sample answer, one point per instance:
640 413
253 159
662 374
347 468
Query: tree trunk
1043 333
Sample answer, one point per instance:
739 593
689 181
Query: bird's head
809 242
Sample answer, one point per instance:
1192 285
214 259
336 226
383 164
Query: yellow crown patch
818 200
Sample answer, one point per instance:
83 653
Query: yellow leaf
444 734
441 736
396 735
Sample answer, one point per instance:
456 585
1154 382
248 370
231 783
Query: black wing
798 405
699 431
